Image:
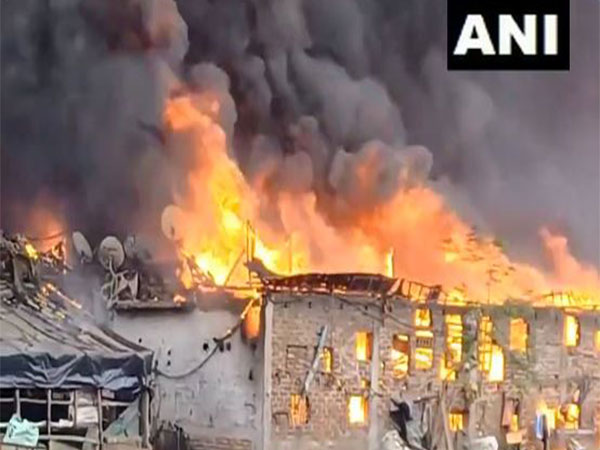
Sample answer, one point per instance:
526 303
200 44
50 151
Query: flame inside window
327 359
484 348
514 423
357 410
453 354
519 332
569 416
571 332
423 318
456 421
364 344
299 410
400 355
550 414
597 340
424 349
496 372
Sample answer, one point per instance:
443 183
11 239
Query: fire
357 410
179 299
31 251
363 346
496 373
252 322
571 331
550 413
413 234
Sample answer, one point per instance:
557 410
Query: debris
484 443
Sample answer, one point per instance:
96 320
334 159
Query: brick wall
297 320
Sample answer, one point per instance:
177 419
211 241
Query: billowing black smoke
83 85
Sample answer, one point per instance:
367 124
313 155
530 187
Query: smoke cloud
350 100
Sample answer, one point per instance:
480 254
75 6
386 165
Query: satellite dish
82 246
111 250
170 221
135 249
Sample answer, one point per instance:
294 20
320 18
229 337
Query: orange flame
413 235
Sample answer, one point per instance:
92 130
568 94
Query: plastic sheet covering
67 353
21 432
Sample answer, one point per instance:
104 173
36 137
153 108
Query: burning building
304 163
321 360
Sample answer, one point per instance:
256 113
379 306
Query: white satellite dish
135 248
170 221
82 246
111 250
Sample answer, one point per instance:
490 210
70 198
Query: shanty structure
79 384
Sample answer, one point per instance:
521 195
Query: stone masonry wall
547 370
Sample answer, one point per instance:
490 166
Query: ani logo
508 35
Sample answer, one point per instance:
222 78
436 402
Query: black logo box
490 10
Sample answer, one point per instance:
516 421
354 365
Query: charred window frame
400 355
299 410
452 356
457 420
519 335
423 339
490 355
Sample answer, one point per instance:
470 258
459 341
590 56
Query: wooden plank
75 395
67 438
99 406
49 411
18 402
144 419
38 401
